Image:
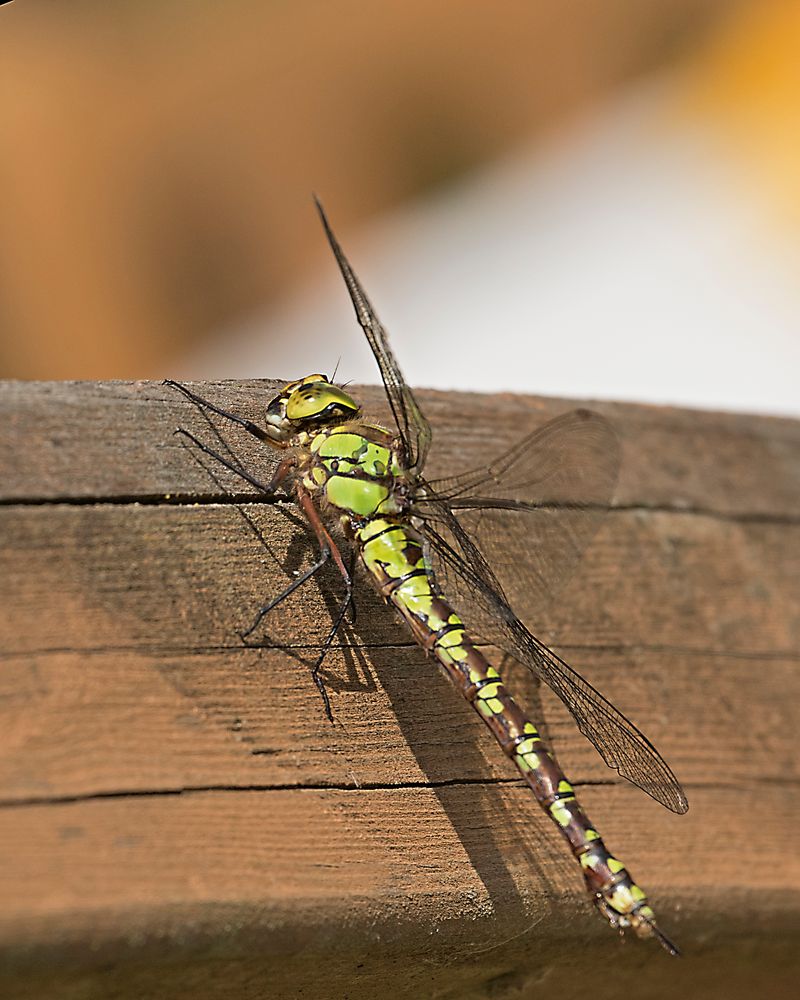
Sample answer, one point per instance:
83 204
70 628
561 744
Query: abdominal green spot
488 699
387 551
415 595
530 761
451 645
490 690
375 527
453 638
621 899
416 586
560 813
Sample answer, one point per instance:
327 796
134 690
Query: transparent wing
534 510
463 574
413 428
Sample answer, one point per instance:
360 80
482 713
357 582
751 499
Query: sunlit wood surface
179 819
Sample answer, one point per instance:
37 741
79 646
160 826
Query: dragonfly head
306 404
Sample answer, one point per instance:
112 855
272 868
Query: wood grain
179 818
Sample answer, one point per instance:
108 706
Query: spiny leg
328 548
248 425
267 489
204 404
269 492
315 670
326 541
325 555
347 602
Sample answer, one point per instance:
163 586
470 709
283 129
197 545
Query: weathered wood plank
114 439
462 878
138 723
178 577
181 819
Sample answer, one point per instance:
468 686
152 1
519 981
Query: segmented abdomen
392 551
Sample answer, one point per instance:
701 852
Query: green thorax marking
356 467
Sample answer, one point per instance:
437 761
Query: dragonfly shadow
504 847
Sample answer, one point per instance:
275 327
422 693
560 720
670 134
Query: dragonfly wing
463 574
534 510
412 426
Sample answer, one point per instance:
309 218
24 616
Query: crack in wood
362 786
771 655
254 500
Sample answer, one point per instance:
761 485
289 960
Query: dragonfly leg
267 489
327 546
326 542
248 425
315 670
325 555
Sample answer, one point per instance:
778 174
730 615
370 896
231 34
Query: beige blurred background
597 199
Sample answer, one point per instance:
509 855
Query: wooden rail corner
179 819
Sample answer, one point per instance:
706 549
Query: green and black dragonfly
453 556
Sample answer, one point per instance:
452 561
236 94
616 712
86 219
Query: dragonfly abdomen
356 468
392 551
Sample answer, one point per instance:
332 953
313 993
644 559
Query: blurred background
598 199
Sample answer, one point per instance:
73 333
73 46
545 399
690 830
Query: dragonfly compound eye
319 401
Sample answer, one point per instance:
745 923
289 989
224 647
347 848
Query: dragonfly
452 557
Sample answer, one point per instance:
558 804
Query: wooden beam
178 817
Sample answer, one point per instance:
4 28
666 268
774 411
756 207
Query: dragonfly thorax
306 404
355 466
